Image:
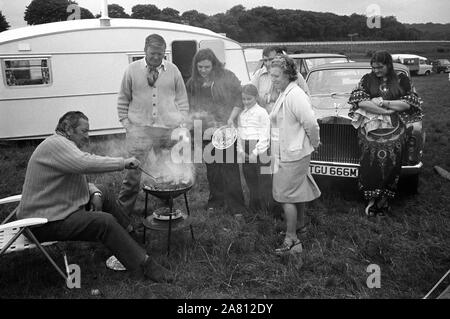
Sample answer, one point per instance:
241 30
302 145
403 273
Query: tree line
260 24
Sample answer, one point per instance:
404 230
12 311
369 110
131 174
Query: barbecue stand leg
189 214
170 225
145 216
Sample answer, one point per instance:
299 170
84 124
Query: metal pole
12 240
105 9
45 253
104 19
145 216
435 286
189 214
170 225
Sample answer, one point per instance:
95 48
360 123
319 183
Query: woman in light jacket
295 135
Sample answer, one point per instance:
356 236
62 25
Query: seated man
56 188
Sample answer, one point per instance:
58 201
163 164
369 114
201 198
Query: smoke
205 118
164 162
161 165
116 147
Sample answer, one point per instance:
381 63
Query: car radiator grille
339 143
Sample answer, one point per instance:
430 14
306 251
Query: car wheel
427 73
409 184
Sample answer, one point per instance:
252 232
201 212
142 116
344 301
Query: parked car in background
306 61
441 65
339 154
417 65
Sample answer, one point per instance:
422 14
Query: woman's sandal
288 245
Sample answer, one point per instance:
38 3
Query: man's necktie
152 75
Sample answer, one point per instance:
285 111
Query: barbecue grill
167 192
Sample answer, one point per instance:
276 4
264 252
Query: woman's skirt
293 183
381 161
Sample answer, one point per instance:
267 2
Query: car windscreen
330 81
335 80
312 62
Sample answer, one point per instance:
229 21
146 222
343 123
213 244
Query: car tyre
427 73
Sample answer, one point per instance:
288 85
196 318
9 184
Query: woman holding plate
215 94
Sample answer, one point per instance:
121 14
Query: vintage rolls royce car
306 61
339 154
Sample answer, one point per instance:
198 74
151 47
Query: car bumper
351 170
411 170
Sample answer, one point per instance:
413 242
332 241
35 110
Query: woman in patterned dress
382 105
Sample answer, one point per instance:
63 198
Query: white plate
224 137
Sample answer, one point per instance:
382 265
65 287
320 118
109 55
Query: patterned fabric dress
382 138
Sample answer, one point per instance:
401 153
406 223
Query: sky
406 11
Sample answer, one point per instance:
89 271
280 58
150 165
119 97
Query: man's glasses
267 59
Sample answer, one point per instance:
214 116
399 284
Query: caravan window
135 57
22 72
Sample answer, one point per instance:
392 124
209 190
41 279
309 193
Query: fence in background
264 44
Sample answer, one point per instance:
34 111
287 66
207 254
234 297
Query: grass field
233 258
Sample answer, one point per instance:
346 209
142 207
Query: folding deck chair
12 237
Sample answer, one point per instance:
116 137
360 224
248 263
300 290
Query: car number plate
329 170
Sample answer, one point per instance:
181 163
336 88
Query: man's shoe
156 272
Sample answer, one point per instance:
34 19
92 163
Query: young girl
252 146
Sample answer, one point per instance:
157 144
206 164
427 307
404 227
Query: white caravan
49 69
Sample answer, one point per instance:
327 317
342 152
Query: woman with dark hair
382 104
295 135
215 97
